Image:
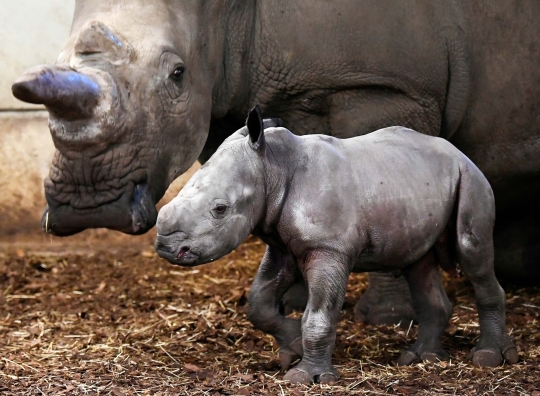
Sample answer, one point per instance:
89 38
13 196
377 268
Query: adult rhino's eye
178 73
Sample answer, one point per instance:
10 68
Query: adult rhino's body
143 89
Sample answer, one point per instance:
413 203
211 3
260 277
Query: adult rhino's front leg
387 300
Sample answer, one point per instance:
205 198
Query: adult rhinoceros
144 88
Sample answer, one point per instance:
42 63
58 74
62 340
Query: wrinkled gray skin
391 200
144 88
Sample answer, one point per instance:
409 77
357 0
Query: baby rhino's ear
254 124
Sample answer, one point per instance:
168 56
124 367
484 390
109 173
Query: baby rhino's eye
220 208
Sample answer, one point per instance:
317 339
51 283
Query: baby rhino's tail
471 225
475 218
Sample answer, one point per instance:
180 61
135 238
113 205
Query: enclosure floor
98 320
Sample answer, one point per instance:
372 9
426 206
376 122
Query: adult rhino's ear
272 123
255 127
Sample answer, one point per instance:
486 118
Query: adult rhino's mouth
134 212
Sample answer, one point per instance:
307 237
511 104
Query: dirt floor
89 319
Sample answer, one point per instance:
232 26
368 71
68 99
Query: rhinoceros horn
65 92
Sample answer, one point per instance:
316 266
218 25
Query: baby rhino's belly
401 236
395 258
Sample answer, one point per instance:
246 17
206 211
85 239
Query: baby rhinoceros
392 200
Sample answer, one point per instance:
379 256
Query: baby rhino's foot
491 353
307 374
417 355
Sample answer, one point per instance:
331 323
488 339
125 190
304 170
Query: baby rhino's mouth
186 255
171 249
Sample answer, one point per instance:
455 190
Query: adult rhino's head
130 102
217 209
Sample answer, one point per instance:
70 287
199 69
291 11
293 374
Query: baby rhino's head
220 205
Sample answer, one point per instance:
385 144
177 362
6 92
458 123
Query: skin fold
142 89
391 200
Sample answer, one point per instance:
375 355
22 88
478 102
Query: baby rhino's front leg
326 276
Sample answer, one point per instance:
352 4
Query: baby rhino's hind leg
475 255
433 309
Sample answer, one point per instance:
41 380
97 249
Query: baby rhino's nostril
183 251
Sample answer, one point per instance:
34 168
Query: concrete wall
32 32
25 153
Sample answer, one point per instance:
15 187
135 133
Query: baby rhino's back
385 197
404 156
